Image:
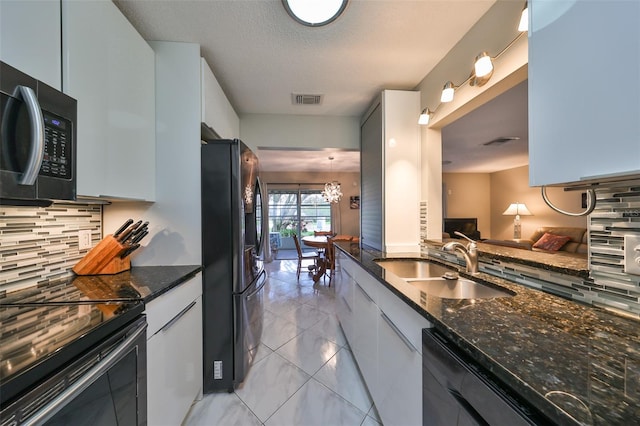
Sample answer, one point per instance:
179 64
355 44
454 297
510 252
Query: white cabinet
584 90
385 335
30 38
110 70
217 113
174 353
391 170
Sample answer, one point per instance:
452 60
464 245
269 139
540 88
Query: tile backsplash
41 243
617 214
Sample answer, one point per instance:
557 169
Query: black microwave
38 141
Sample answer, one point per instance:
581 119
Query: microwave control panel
57 147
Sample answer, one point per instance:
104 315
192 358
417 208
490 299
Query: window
296 211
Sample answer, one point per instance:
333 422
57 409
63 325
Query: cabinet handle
175 319
346 303
36 123
400 334
365 293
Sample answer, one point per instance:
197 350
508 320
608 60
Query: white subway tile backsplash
38 244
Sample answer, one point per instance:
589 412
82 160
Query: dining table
318 242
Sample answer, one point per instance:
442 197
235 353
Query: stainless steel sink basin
458 289
413 268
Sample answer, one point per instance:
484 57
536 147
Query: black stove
44 328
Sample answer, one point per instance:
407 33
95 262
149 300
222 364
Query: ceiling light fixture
447 92
483 65
332 192
424 117
315 13
524 18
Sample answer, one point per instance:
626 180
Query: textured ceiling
505 116
261 56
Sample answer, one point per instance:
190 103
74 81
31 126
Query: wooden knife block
104 259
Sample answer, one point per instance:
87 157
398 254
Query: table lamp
517 209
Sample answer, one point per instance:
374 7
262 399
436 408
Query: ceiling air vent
501 140
300 99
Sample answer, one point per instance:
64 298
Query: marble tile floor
304 374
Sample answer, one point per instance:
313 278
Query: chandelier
332 192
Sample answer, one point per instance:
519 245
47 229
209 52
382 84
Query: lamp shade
483 65
515 209
447 92
523 25
423 120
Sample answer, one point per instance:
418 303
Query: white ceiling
503 117
261 56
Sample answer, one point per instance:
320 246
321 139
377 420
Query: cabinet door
344 294
30 38
399 396
365 336
174 352
584 89
110 70
217 112
174 367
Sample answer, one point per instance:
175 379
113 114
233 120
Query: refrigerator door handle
254 292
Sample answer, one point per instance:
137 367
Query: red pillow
551 242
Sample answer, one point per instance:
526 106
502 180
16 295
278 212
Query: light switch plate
632 254
84 239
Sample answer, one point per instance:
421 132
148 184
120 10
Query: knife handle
123 227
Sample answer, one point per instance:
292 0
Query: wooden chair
330 255
311 255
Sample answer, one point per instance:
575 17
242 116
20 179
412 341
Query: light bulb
447 92
483 65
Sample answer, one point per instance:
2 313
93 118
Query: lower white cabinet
174 353
385 336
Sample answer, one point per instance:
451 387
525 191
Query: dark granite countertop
564 263
148 281
575 363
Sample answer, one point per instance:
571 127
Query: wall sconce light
424 117
524 18
447 92
517 209
483 65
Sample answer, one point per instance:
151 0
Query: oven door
106 386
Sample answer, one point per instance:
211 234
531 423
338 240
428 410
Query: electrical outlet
84 239
632 254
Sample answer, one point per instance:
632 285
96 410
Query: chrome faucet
470 252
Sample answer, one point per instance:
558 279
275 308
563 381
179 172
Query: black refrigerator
233 274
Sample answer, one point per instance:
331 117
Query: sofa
577 244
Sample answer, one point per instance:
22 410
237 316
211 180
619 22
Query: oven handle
36 122
87 379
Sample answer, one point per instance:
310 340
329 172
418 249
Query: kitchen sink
405 268
458 289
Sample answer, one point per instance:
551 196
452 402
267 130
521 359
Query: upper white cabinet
584 90
110 70
30 38
217 112
390 164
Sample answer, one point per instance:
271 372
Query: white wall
174 219
492 33
217 112
300 131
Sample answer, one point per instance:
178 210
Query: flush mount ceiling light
447 92
423 120
315 13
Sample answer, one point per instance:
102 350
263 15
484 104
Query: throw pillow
551 242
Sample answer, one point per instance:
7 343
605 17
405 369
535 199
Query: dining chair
310 255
